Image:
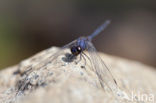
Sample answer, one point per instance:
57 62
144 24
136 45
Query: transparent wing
61 51
46 57
41 61
104 75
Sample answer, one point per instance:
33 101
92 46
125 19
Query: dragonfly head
76 50
79 46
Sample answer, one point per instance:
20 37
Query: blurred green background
29 26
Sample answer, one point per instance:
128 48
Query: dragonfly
77 48
82 44
82 47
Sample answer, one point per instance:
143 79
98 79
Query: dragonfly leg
84 59
86 56
79 59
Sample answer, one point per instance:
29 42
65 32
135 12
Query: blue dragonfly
82 47
82 44
77 48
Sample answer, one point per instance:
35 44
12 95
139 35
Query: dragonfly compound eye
76 50
79 49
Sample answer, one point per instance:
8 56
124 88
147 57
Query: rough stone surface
46 79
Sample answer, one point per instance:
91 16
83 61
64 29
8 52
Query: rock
46 78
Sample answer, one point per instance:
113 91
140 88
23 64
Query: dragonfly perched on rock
76 48
82 44
37 70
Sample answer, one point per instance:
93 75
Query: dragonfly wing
103 73
47 57
60 52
